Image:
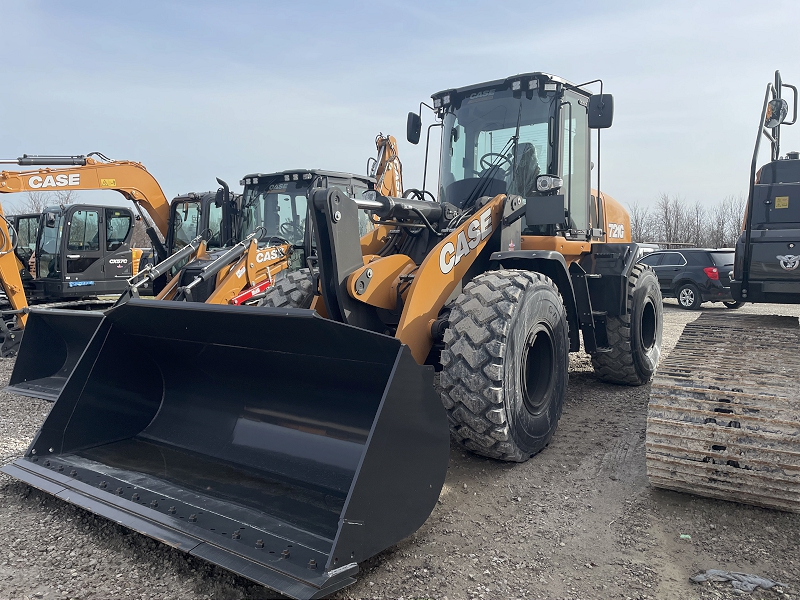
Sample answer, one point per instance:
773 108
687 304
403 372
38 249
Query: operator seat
523 182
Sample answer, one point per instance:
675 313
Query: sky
198 90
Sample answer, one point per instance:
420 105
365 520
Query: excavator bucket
53 342
277 444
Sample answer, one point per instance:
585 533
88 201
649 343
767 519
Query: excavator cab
81 251
27 228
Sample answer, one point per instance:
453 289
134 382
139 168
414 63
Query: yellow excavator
288 445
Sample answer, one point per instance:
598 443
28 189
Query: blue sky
199 90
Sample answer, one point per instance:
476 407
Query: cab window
118 224
84 231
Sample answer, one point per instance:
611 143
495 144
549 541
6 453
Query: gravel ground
577 521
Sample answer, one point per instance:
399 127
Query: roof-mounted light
255 180
549 87
307 175
516 86
287 177
295 177
437 103
533 84
242 181
446 100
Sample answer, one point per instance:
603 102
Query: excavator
723 415
289 444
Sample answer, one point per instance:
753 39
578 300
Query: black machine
767 267
80 251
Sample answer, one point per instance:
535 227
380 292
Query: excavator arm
10 277
387 168
128 178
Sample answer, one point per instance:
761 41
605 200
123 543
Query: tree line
673 222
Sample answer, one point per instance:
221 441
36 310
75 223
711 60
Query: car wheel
733 304
689 296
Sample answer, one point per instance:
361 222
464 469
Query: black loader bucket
277 444
53 342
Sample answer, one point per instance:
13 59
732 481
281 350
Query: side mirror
413 128
776 113
601 111
50 220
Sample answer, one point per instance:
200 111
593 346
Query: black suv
694 275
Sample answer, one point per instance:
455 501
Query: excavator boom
129 178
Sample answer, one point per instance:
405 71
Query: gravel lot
577 521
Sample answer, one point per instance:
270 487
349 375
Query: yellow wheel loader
723 416
288 445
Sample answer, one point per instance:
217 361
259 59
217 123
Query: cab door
83 244
117 248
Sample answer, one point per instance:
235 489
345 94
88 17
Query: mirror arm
427 147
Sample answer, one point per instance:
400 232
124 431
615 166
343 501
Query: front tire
505 364
689 297
634 338
292 290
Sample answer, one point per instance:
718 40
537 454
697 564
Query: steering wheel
504 160
289 230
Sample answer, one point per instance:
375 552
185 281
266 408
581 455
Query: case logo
789 262
478 230
62 180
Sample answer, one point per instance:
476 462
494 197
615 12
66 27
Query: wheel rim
687 297
648 326
537 370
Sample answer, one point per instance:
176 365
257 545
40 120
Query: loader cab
276 207
507 136
82 250
196 214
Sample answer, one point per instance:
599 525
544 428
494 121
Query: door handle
73 255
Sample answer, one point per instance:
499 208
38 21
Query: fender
552 264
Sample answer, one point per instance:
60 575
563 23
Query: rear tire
634 338
292 290
505 364
733 304
689 296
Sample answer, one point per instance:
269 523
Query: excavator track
724 414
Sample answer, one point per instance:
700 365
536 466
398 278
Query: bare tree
641 222
37 201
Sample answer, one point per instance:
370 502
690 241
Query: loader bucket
277 444
52 343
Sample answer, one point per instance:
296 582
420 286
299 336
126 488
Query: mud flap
53 342
277 444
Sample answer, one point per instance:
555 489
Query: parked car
694 275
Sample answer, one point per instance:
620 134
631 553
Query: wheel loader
288 445
723 414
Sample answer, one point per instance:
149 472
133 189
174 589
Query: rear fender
553 265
